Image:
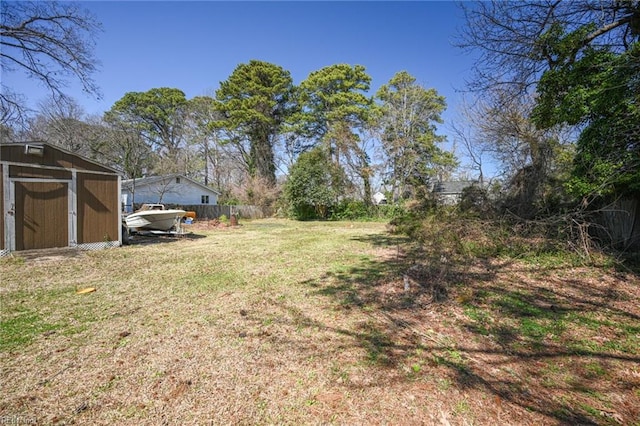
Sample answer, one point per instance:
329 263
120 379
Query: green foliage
597 89
607 162
331 95
409 114
313 186
359 210
334 111
255 102
350 210
159 115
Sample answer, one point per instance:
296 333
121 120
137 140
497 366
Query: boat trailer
127 233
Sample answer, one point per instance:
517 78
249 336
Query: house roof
453 187
150 180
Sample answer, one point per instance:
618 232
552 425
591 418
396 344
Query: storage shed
53 198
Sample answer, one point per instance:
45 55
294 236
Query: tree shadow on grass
536 338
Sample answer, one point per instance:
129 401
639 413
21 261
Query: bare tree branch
49 42
503 34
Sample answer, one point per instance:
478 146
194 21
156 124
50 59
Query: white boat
154 217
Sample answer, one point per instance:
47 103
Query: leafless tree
50 42
124 149
528 159
64 123
505 36
473 150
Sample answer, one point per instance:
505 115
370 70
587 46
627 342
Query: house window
177 180
205 199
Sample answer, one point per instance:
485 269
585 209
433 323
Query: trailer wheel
125 235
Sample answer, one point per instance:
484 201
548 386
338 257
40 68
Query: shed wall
98 208
38 173
56 200
2 247
55 157
42 219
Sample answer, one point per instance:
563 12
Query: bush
313 186
358 210
350 210
303 211
475 202
460 236
388 211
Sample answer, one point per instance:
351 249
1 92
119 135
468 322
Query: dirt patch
523 344
48 255
208 224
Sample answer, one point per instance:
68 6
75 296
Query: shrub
460 236
359 210
475 202
350 210
313 186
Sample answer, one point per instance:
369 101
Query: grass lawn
281 322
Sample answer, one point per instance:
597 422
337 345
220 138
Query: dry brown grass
278 322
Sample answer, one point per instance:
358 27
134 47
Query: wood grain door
42 215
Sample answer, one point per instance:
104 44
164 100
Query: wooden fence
620 221
215 211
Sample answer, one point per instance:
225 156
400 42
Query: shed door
42 215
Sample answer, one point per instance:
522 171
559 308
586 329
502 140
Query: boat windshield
151 207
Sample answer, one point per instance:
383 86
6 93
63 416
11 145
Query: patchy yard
314 323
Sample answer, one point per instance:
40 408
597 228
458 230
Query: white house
168 189
450 192
379 198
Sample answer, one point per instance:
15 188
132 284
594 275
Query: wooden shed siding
59 200
14 153
98 208
2 247
42 219
32 172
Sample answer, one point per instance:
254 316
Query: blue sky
193 46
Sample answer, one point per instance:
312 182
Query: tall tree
49 42
534 161
335 109
255 102
201 114
222 169
7 134
579 57
599 91
334 96
465 133
159 115
123 148
63 122
409 139
508 37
